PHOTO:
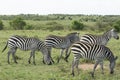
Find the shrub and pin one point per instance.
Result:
(18, 24)
(77, 25)
(55, 27)
(28, 27)
(1, 25)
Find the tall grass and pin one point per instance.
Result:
(40, 71)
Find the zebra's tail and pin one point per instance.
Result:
(5, 47)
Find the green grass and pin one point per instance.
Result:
(40, 71)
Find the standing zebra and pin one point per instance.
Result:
(101, 39)
(92, 52)
(61, 42)
(98, 39)
(25, 44)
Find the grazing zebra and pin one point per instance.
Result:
(101, 39)
(61, 42)
(25, 44)
(92, 52)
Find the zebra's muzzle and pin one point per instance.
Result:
(111, 72)
(50, 63)
(117, 38)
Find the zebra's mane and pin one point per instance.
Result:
(26, 37)
(109, 31)
(72, 33)
(54, 36)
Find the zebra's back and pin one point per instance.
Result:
(23, 43)
(90, 51)
(89, 38)
(56, 41)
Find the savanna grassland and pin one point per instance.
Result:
(57, 71)
(41, 26)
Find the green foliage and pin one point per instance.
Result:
(116, 25)
(77, 25)
(28, 27)
(18, 24)
(54, 26)
(1, 25)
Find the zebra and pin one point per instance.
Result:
(27, 43)
(61, 42)
(92, 52)
(99, 39)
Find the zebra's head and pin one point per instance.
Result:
(112, 65)
(73, 37)
(46, 56)
(114, 34)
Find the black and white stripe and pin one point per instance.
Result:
(61, 42)
(92, 52)
(25, 43)
(99, 39)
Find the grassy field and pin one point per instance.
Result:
(40, 71)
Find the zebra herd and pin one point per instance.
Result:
(87, 46)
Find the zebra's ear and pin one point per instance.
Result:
(116, 58)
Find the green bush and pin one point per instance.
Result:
(116, 25)
(28, 27)
(77, 25)
(1, 25)
(55, 27)
(18, 24)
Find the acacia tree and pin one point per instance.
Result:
(18, 24)
(1, 25)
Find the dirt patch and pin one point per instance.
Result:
(87, 66)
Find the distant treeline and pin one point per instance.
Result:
(80, 17)
(60, 22)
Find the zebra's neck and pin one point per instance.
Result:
(107, 36)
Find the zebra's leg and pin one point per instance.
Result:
(49, 51)
(67, 54)
(9, 52)
(60, 55)
(102, 69)
(75, 63)
(33, 52)
(43, 60)
(96, 63)
(13, 54)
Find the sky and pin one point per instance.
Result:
(44, 7)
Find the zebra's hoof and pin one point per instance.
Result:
(72, 74)
(29, 62)
(92, 74)
(66, 60)
(50, 63)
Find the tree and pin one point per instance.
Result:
(18, 24)
(77, 25)
(1, 25)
